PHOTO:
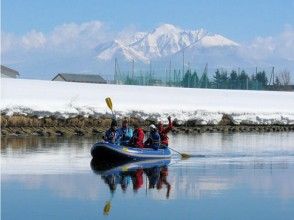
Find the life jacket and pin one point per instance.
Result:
(163, 132)
(111, 136)
(138, 138)
(153, 140)
(124, 135)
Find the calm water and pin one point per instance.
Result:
(232, 176)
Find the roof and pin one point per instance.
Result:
(7, 69)
(88, 78)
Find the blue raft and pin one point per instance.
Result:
(105, 150)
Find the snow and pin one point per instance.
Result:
(207, 105)
(217, 40)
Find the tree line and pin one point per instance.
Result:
(223, 79)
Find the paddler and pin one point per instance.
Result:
(153, 140)
(164, 131)
(111, 134)
(138, 136)
(125, 133)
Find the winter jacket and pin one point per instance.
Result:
(111, 136)
(153, 140)
(138, 138)
(164, 131)
(124, 135)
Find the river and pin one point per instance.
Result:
(229, 176)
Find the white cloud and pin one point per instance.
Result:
(69, 36)
(87, 34)
(8, 42)
(33, 40)
(280, 46)
(285, 43)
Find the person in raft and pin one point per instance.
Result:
(111, 134)
(153, 140)
(138, 137)
(164, 131)
(124, 133)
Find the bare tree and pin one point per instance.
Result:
(285, 77)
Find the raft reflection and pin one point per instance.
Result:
(132, 173)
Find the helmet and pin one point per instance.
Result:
(152, 127)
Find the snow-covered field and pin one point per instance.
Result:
(36, 97)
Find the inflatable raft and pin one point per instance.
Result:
(105, 150)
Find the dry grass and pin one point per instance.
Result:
(19, 121)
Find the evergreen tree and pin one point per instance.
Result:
(243, 80)
(204, 81)
(262, 79)
(186, 81)
(195, 80)
(224, 80)
(217, 79)
(233, 80)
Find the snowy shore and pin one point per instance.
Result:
(207, 106)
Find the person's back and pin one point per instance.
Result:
(153, 140)
(138, 137)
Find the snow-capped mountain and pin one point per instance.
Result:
(164, 41)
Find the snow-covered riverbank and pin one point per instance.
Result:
(36, 97)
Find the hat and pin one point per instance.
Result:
(113, 123)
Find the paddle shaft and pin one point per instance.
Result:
(183, 155)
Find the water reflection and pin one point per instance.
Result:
(132, 173)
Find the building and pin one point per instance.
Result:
(82, 78)
(8, 73)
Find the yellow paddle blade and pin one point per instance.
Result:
(109, 103)
(107, 208)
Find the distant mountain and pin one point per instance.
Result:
(169, 43)
(163, 42)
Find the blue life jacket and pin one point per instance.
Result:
(153, 140)
(124, 135)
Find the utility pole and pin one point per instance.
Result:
(169, 74)
(150, 74)
(189, 75)
(115, 71)
(133, 69)
(183, 62)
(273, 71)
(206, 74)
(166, 76)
